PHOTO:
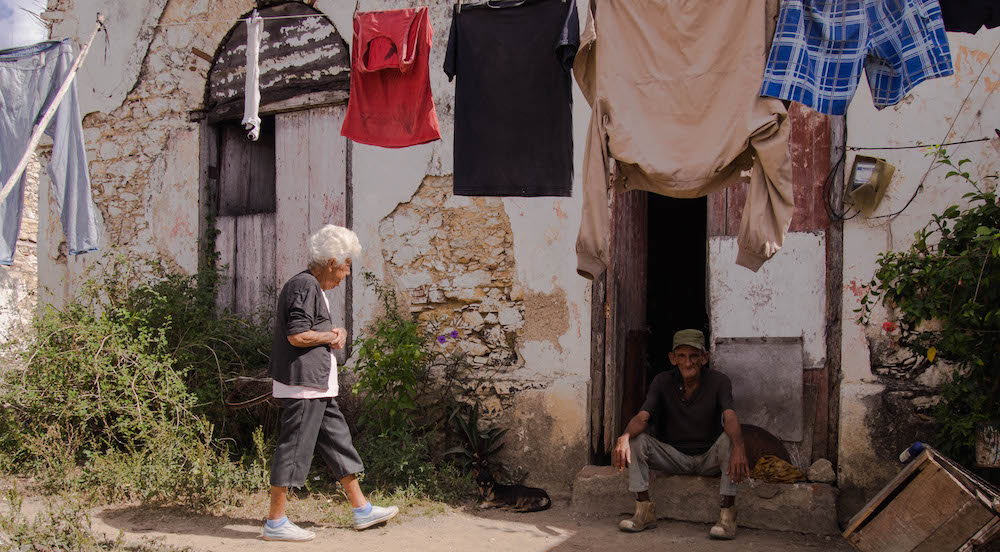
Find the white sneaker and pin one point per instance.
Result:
(377, 515)
(289, 532)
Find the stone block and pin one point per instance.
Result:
(511, 317)
(821, 472)
(473, 319)
(800, 507)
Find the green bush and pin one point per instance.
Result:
(946, 291)
(405, 407)
(121, 389)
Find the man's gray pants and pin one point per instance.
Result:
(648, 452)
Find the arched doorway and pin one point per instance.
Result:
(261, 199)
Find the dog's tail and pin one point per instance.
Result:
(542, 505)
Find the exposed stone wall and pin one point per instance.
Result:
(452, 259)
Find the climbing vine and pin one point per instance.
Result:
(944, 293)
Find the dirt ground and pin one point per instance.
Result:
(557, 529)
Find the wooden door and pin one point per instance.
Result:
(273, 194)
(246, 203)
(312, 167)
(625, 329)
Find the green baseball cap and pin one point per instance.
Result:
(694, 338)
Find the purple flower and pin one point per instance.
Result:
(441, 339)
(454, 334)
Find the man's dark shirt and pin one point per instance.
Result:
(300, 308)
(690, 426)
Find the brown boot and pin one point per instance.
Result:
(726, 528)
(644, 518)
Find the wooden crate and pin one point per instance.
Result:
(932, 505)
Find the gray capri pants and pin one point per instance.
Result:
(308, 424)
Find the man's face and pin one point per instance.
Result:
(688, 360)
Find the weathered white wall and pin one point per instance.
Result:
(785, 298)
(144, 165)
(869, 404)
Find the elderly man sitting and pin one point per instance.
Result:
(304, 371)
(697, 433)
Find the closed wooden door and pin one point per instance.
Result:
(273, 194)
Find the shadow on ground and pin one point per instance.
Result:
(557, 529)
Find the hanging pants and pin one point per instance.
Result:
(30, 76)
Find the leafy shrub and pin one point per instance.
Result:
(391, 365)
(121, 388)
(408, 391)
(946, 290)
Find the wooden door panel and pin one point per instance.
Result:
(626, 325)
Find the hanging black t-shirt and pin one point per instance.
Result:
(513, 98)
(968, 16)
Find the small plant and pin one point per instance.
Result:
(391, 365)
(479, 447)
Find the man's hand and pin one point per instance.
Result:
(621, 456)
(738, 468)
(339, 338)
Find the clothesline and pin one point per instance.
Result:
(243, 19)
(917, 146)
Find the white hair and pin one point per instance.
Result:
(333, 242)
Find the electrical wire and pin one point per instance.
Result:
(917, 146)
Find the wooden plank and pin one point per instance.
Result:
(292, 171)
(306, 101)
(809, 145)
(913, 515)
(834, 298)
(260, 190)
(961, 527)
(717, 213)
(328, 190)
(268, 278)
(919, 463)
(208, 189)
(225, 246)
(234, 170)
(328, 179)
(250, 248)
(597, 338)
(984, 535)
(612, 365)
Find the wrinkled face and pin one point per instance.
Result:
(688, 360)
(332, 273)
(340, 271)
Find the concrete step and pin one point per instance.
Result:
(801, 507)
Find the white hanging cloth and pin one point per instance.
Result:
(251, 95)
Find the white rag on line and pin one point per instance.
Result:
(251, 95)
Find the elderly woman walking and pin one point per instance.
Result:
(304, 371)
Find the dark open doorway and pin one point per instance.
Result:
(675, 286)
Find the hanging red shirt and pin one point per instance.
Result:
(391, 103)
